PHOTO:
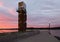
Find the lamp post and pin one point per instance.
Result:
(49, 28)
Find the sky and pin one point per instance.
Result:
(39, 13)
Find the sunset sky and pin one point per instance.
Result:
(39, 13)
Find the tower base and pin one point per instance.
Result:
(22, 28)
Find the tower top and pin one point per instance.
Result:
(21, 4)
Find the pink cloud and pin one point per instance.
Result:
(7, 22)
(12, 11)
(1, 4)
(8, 25)
(2, 16)
(6, 18)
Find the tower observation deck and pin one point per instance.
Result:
(22, 17)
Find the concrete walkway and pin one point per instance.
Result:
(34, 36)
(12, 37)
(42, 37)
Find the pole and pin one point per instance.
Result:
(49, 28)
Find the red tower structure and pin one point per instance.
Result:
(22, 17)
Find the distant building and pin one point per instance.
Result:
(22, 17)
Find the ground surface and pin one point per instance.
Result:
(34, 36)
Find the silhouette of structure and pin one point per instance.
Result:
(49, 28)
(22, 17)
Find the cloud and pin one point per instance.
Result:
(13, 11)
(38, 11)
(1, 4)
(8, 25)
(8, 11)
(5, 18)
(8, 17)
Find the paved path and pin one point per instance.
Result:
(11, 37)
(36, 36)
(42, 37)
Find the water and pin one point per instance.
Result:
(7, 31)
(53, 32)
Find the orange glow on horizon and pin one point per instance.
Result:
(5, 25)
(7, 22)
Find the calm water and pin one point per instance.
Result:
(5, 31)
(53, 32)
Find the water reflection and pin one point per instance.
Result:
(7, 31)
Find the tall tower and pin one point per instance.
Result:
(22, 17)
